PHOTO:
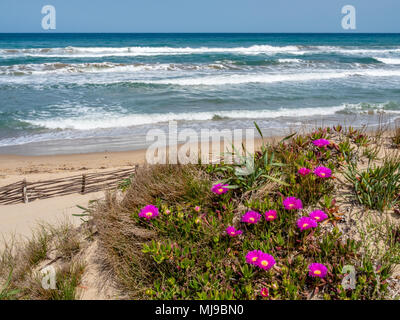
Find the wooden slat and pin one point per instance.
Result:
(92, 182)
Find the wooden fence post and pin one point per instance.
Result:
(24, 192)
(83, 183)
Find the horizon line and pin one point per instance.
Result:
(107, 32)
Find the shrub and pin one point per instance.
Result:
(377, 187)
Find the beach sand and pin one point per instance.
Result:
(20, 219)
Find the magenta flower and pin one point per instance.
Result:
(318, 215)
(321, 143)
(251, 217)
(149, 212)
(304, 171)
(317, 270)
(270, 215)
(197, 208)
(253, 256)
(219, 188)
(305, 223)
(231, 231)
(264, 292)
(323, 172)
(292, 203)
(265, 261)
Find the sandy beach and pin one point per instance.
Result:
(19, 219)
(38, 167)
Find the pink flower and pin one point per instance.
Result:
(323, 172)
(231, 231)
(265, 261)
(318, 215)
(149, 212)
(253, 256)
(264, 292)
(251, 217)
(317, 270)
(305, 223)
(270, 215)
(304, 171)
(321, 143)
(219, 188)
(197, 208)
(292, 203)
(258, 258)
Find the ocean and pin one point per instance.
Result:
(75, 93)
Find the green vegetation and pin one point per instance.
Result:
(377, 187)
(186, 253)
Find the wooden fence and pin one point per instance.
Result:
(25, 191)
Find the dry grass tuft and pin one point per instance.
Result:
(121, 244)
(169, 183)
(68, 277)
(21, 263)
(121, 239)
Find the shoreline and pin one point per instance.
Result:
(14, 168)
(134, 138)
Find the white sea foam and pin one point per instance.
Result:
(198, 79)
(143, 51)
(99, 120)
(289, 60)
(105, 67)
(83, 52)
(354, 50)
(388, 60)
(272, 78)
(86, 120)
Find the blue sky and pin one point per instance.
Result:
(199, 15)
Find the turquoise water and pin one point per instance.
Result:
(62, 93)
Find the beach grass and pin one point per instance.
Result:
(377, 187)
(21, 264)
